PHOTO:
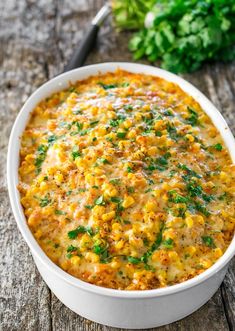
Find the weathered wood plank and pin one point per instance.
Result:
(223, 91)
(228, 295)
(24, 298)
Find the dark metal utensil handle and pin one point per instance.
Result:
(80, 55)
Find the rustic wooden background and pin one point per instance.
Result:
(36, 40)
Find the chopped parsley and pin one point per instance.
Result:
(88, 206)
(128, 107)
(116, 199)
(51, 139)
(79, 127)
(60, 212)
(160, 163)
(107, 86)
(208, 241)
(201, 208)
(218, 147)
(45, 201)
(75, 153)
(129, 169)
(80, 229)
(130, 189)
(71, 248)
(158, 133)
(172, 132)
(121, 135)
(93, 123)
(133, 260)
(104, 161)
(190, 173)
(115, 181)
(41, 155)
(193, 118)
(102, 251)
(154, 246)
(168, 243)
(177, 198)
(100, 201)
(115, 122)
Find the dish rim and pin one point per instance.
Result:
(59, 83)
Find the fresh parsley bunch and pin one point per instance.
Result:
(130, 14)
(184, 34)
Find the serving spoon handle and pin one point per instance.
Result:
(88, 42)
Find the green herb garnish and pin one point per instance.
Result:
(93, 123)
(208, 241)
(80, 229)
(75, 153)
(45, 201)
(177, 198)
(121, 135)
(130, 189)
(51, 139)
(193, 118)
(104, 161)
(133, 260)
(107, 86)
(102, 251)
(181, 34)
(168, 243)
(115, 181)
(71, 248)
(41, 155)
(116, 199)
(100, 201)
(60, 212)
(218, 147)
(172, 132)
(88, 206)
(129, 169)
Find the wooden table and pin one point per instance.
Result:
(37, 37)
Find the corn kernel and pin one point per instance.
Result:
(189, 222)
(151, 206)
(65, 265)
(115, 264)
(173, 256)
(152, 151)
(92, 257)
(98, 211)
(75, 260)
(205, 263)
(43, 186)
(218, 252)
(189, 137)
(191, 250)
(108, 216)
(38, 234)
(127, 123)
(200, 219)
(116, 226)
(128, 201)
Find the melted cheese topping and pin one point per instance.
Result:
(126, 183)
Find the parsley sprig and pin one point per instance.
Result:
(183, 34)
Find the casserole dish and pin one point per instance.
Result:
(126, 309)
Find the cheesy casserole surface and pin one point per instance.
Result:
(126, 183)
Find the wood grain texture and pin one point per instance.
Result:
(37, 38)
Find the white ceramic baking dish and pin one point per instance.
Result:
(125, 309)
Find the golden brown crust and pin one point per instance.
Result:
(126, 183)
